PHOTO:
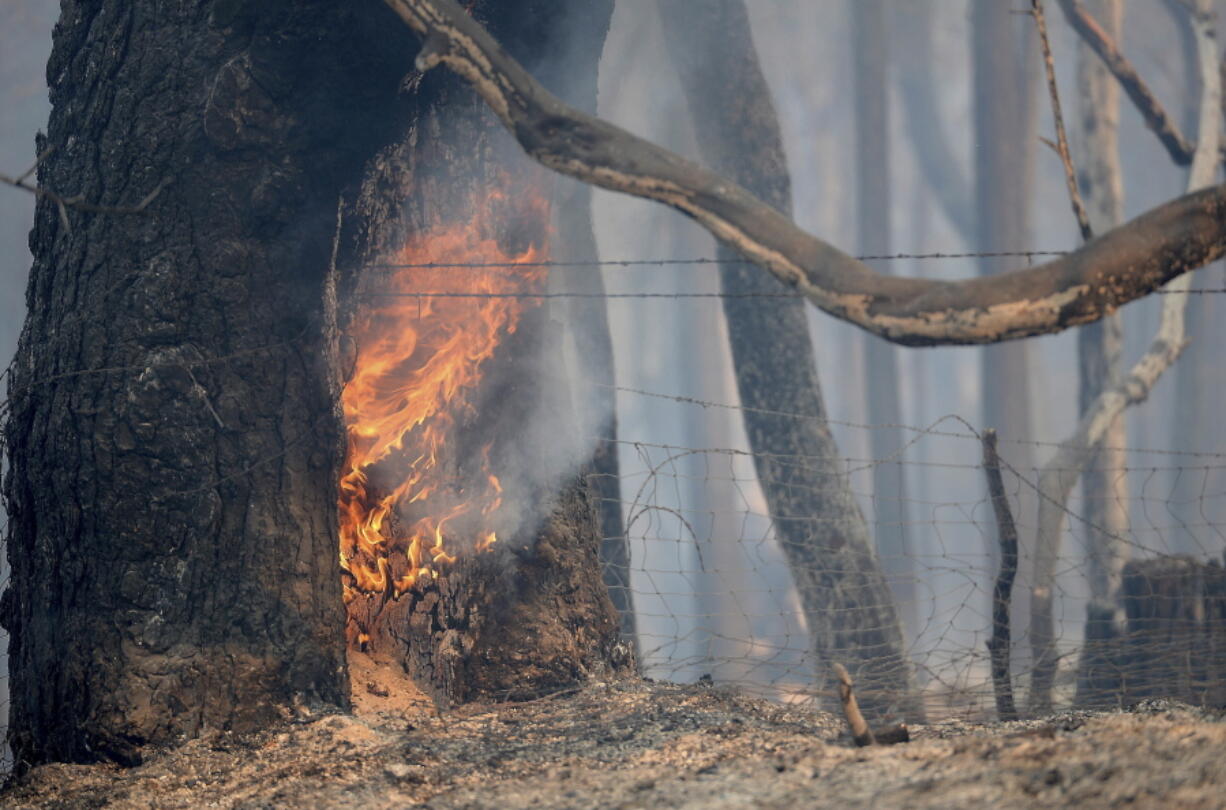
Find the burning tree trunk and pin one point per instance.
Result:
(469, 545)
(173, 438)
(847, 604)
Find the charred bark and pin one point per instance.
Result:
(1062, 471)
(816, 519)
(173, 439)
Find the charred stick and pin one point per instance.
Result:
(1156, 117)
(1002, 593)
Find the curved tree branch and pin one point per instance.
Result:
(1081, 287)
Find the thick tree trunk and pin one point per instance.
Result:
(817, 521)
(531, 614)
(1105, 481)
(175, 436)
(174, 441)
(872, 103)
(1004, 159)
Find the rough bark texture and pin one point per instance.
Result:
(532, 615)
(872, 105)
(816, 519)
(1105, 481)
(1127, 263)
(1004, 165)
(174, 441)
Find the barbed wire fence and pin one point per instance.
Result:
(714, 597)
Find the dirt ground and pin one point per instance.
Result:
(635, 744)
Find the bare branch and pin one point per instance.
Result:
(1118, 267)
(76, 202)
(1155, 115)
(1061, 473)
(1002, 592)
(1070, 176)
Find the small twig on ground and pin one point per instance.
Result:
(1070, 175)
(1002, 593)
(860, 732)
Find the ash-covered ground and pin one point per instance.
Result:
(634, 744)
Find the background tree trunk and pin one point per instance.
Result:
(872, 103)
(1200, 376)
(850, 613)
(1004, 166)
(1105, 482)
(174, 439)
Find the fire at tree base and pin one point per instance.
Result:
(469, 528)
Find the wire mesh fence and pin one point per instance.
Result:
(715, 595)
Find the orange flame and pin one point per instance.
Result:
(419, 361)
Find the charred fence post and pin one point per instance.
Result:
(1002, 592)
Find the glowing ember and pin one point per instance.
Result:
(419, 361)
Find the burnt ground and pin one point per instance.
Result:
(634, 744)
